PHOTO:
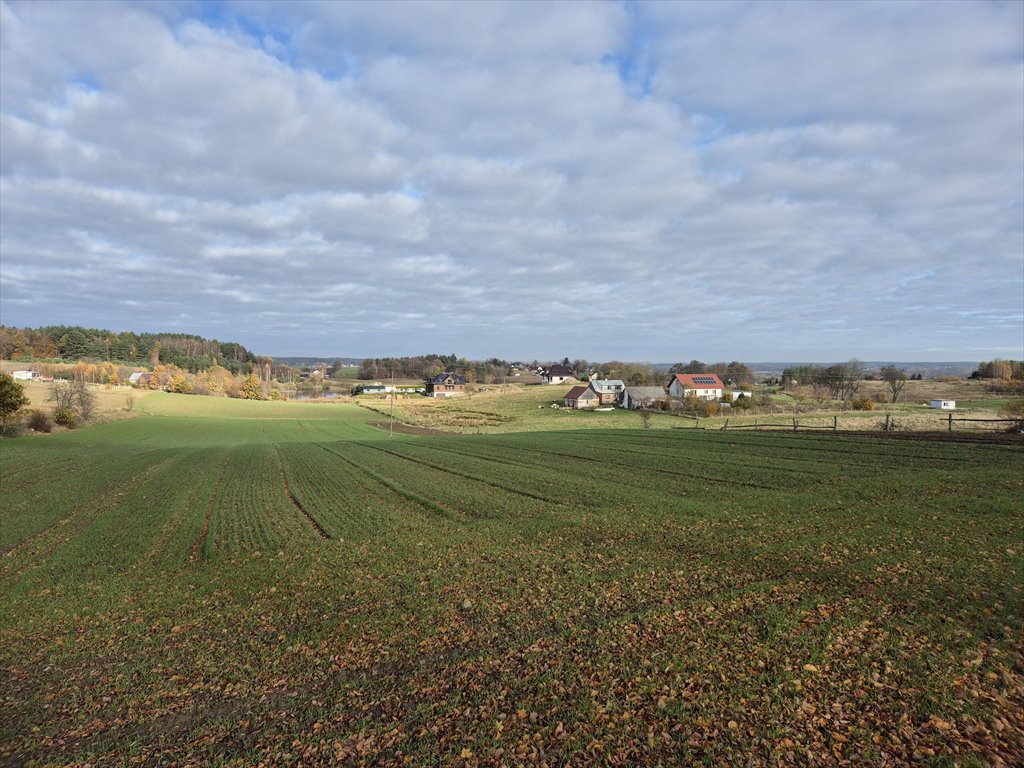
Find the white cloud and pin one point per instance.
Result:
(316, 167)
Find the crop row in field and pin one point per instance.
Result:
(237, 589)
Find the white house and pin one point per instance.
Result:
(706, 386)
(557, 374)
(24, 375)
(943, 405)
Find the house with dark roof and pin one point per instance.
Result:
(581, 398)
(557, 374)
(642, 397)
(706, 386)
(446, 385)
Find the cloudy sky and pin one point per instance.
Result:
(664, 181)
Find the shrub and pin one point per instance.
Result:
(1014, 409)
(709, 408)
(66, 417)
(180, 384)
(691, 404)
(863, 404)
(39, 421)
(251, 389)
(743, 402)
(12, 397)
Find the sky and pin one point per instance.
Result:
(606, 180)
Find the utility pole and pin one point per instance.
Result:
(392, 433)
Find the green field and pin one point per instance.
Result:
(226, 582)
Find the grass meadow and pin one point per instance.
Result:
(220, 582)
(515, 408)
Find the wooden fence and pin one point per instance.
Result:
(1019, 422)
(795, 425)
(888, 426)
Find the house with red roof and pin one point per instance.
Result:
(706, 386)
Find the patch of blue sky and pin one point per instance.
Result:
(708, 129)
(634, 64)
(275, 39)
(412, 190)
(85, 81)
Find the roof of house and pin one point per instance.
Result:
(607, 385)
(577, 393)
(442, 377)
(558, 370)
(699, 380)
(646, 393)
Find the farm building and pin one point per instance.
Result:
(446, 385)
(557, 374)
(706, 386)
(581, 398)
(609, 390)
(24, 375)
(642, 397)
(943, 405)
(140, 379)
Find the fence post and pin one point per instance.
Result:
(951, 422)
(795, 422)
(887, 422)
(835, 423)
(755, 423)
(726, 425)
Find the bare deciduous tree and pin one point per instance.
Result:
(895, 377)
(645, 417)
(85, 399)
(73, 397)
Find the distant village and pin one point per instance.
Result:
(585, 392)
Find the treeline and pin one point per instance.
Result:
(1004, 370)
(642, 374)
(489, 371)
(732, 374)
(71, 343)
